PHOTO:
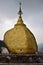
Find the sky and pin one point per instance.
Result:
(32, 16)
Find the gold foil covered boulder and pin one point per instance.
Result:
(20, 38)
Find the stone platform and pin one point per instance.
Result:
(21, 59)
(21, 63)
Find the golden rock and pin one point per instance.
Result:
(20, 38)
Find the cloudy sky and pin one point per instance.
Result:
(32, 16)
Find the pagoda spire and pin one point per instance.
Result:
(20, 11)
(20, 21)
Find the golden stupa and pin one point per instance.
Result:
(20, 38)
